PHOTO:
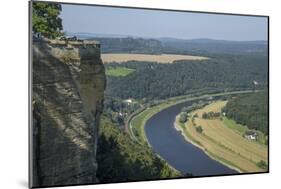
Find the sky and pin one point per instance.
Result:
(156, 24)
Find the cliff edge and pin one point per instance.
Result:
(68, 83)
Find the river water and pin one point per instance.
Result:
(171, 145)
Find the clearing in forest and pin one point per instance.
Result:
(118, 71)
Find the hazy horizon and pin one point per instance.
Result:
(112, 35)
(162, 24)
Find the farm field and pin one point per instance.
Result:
(161, 58)
(118, 71)
(240, 129)
(222, 141)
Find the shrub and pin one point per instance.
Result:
(183, 117)
(262, 164)
(199, 129)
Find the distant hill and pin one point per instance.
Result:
(130, 45)
(85, 35)
(111, 43)
(214, 46)
(208, 40)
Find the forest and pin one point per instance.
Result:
(231, 66)
(121, 159)
(250, 110)
(159, 81)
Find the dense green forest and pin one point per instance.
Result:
(121, 159)
(250, 110)
(159, 81)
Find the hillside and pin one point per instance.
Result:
(250, 110)
(204, 47)
(151, 80)
(121, 159)
(130, 45)
(210, 46)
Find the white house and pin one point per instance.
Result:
(255, 82)
(128, 101)
(251, 135)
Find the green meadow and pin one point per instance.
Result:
(118, 71)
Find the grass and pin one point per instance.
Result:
(241, 129)
(234, 126)
(119, 71)
(137, 129)
(160, 58)
(224, 142)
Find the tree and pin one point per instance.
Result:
(250, 110)
(205, 115)
(46, 20)
(121, 159)
(183, 117)
(262, 164)
(199, 129)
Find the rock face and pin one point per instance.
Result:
(67, 100)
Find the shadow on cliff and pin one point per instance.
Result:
(63, 147)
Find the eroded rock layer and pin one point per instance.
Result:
(67, 100)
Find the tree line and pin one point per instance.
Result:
(250, 110)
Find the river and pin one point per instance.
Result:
(166, 141)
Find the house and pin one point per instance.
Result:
(251, 135)
(210, 98)
(255, 82)
(128, 101)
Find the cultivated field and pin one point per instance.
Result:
(161, 58)
(224, 143)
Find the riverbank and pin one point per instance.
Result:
(137, 122)
(192, 141)
(220, 142)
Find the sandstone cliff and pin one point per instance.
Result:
(68, 82)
